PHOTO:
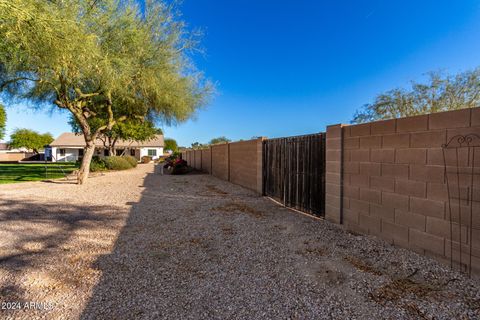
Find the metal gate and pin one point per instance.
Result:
(294, 172)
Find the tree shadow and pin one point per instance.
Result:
(137, 279)
(36, 246)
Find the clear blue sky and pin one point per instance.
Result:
(293, 67)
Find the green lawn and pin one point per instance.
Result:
(12, 173)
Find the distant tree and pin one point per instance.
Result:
(439, 93)
(198, 145)
(32, 140)
(3, 121)
(219, 140)
(171, 144)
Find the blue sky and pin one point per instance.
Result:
(292, 67)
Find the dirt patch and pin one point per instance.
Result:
(228, 230)
(234, 206)
(312, 250)
(415, 311)
(399, 288)
(362, 266)
(215, 189)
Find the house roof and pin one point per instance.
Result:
(4, 146)
(70, 139)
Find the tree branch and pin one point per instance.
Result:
(7, 82)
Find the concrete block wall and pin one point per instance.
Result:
(14, 156)
(333, 174)
(245, 163)
(207, 160)
(238, 162)
(394, 184)
(220, 163)
(197, 159)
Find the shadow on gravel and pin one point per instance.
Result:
(136, 275)
(32, 234)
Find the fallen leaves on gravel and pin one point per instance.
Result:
(239, 207)
(215, 189)
(362, 266)
(399, 288)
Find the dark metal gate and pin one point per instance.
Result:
(294, 172)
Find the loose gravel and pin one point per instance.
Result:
(140, 245)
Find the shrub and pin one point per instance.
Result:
(117, 163)
(132, 160)
(146, 159)
(180, 167)
(97, 164)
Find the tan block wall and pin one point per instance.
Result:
(207, 160)
(394, 184)
(14, 156)
(220, 161)
(239, 162)
(197, 162)
(333, 176)
(244, 157)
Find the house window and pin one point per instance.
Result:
(152, 152)
(62, 152)
(132, 152)
(80, 152)
(105, 152)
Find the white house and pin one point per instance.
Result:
(70, 146)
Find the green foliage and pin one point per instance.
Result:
(198, 145)
(3, 121)
(219, 140)
(113, 163)
(97, 164)
(129, 130)
(32, 140)
(117, 163)
(105, 61)
(171, 144)
(132, 160)
(14, 173)
(439, 93)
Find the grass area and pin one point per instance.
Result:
(13, 173)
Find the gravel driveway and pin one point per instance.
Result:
(140, 245)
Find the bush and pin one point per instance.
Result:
(97, 164)
(132, 160)
(180, 167)
(146, 159)
(117, 163)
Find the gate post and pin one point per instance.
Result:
(334, 174)
(259, 165)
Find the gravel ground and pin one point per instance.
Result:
(137, 244)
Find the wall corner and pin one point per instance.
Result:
(334, 173)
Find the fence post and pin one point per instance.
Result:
(260, 165)
(228, 161)
(334, 174)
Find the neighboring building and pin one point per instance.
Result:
(5, 148)
(70, 146)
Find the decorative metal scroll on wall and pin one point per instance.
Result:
(462, 175)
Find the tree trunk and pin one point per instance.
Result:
(85, 166)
